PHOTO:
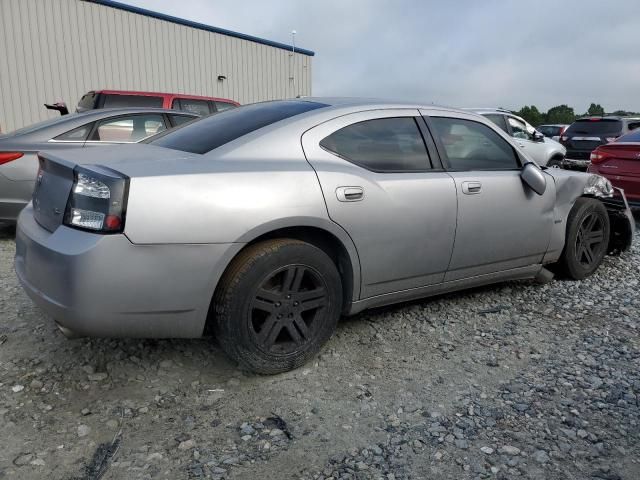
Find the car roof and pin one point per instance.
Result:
(373, 103)
(606, 117)
(490, 110)
(74, 120)
(161, 94)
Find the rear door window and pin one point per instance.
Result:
(470, 145)
(199, 107)
(594, 127)
(76, 135)
(631, 137)
(128, 129)
(381, 145)
(122, 101)
(211, 132)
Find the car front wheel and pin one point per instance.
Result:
(587, 238)
(277, 304)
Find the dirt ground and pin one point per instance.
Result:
(517, 380)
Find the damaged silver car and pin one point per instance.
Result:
(266, 223)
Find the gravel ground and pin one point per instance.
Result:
(512, 381)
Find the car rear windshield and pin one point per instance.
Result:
(595, 126)
(631, 137)
(88, 101)
(212, 132)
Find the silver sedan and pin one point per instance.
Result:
(264, 224)
(19, 149)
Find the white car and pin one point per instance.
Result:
(543, 150)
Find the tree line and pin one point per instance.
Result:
(563, 114)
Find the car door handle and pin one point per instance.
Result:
(521, 145)
(350, 194)
(471, 188)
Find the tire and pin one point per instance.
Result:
(587, 238)
(276, 305)
(555, 163)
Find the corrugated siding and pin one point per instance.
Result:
(54, 50)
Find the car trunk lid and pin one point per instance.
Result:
(56, 172)
(621, 158)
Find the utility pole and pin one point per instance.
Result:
(293, 61)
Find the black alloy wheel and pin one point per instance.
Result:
(590, 239)
(277, 304)
(286, 309)
(587, 238)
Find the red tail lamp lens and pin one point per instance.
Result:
(6, 157)
(112, 222)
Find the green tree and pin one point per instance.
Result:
(595, 109)
(560, 114)
(532, 115)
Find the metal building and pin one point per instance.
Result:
(52, 50)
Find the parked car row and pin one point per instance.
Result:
(263, 224)
(586, 134)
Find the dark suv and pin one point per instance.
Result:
(587, 134)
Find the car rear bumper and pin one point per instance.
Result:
(106, 286)
(622, 223)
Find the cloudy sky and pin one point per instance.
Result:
(461, 53)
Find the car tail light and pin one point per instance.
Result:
(6, 157)
(563, 138)
(599, 156)
(97, 201)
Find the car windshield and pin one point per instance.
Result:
(212, 132)
(631, 137)
(595, 126)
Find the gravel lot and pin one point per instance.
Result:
(513, 381)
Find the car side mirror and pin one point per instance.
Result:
(534, 178)
(538, 137)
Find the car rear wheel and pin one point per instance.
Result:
(277, 304)
(587, 238)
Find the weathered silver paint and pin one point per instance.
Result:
(410, 236)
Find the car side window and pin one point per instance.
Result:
(128, 129)
(633, 125)
(472, 145)
(199, 107)
(381, 145)
(519, 129)
(78, 134)
(498, 119)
